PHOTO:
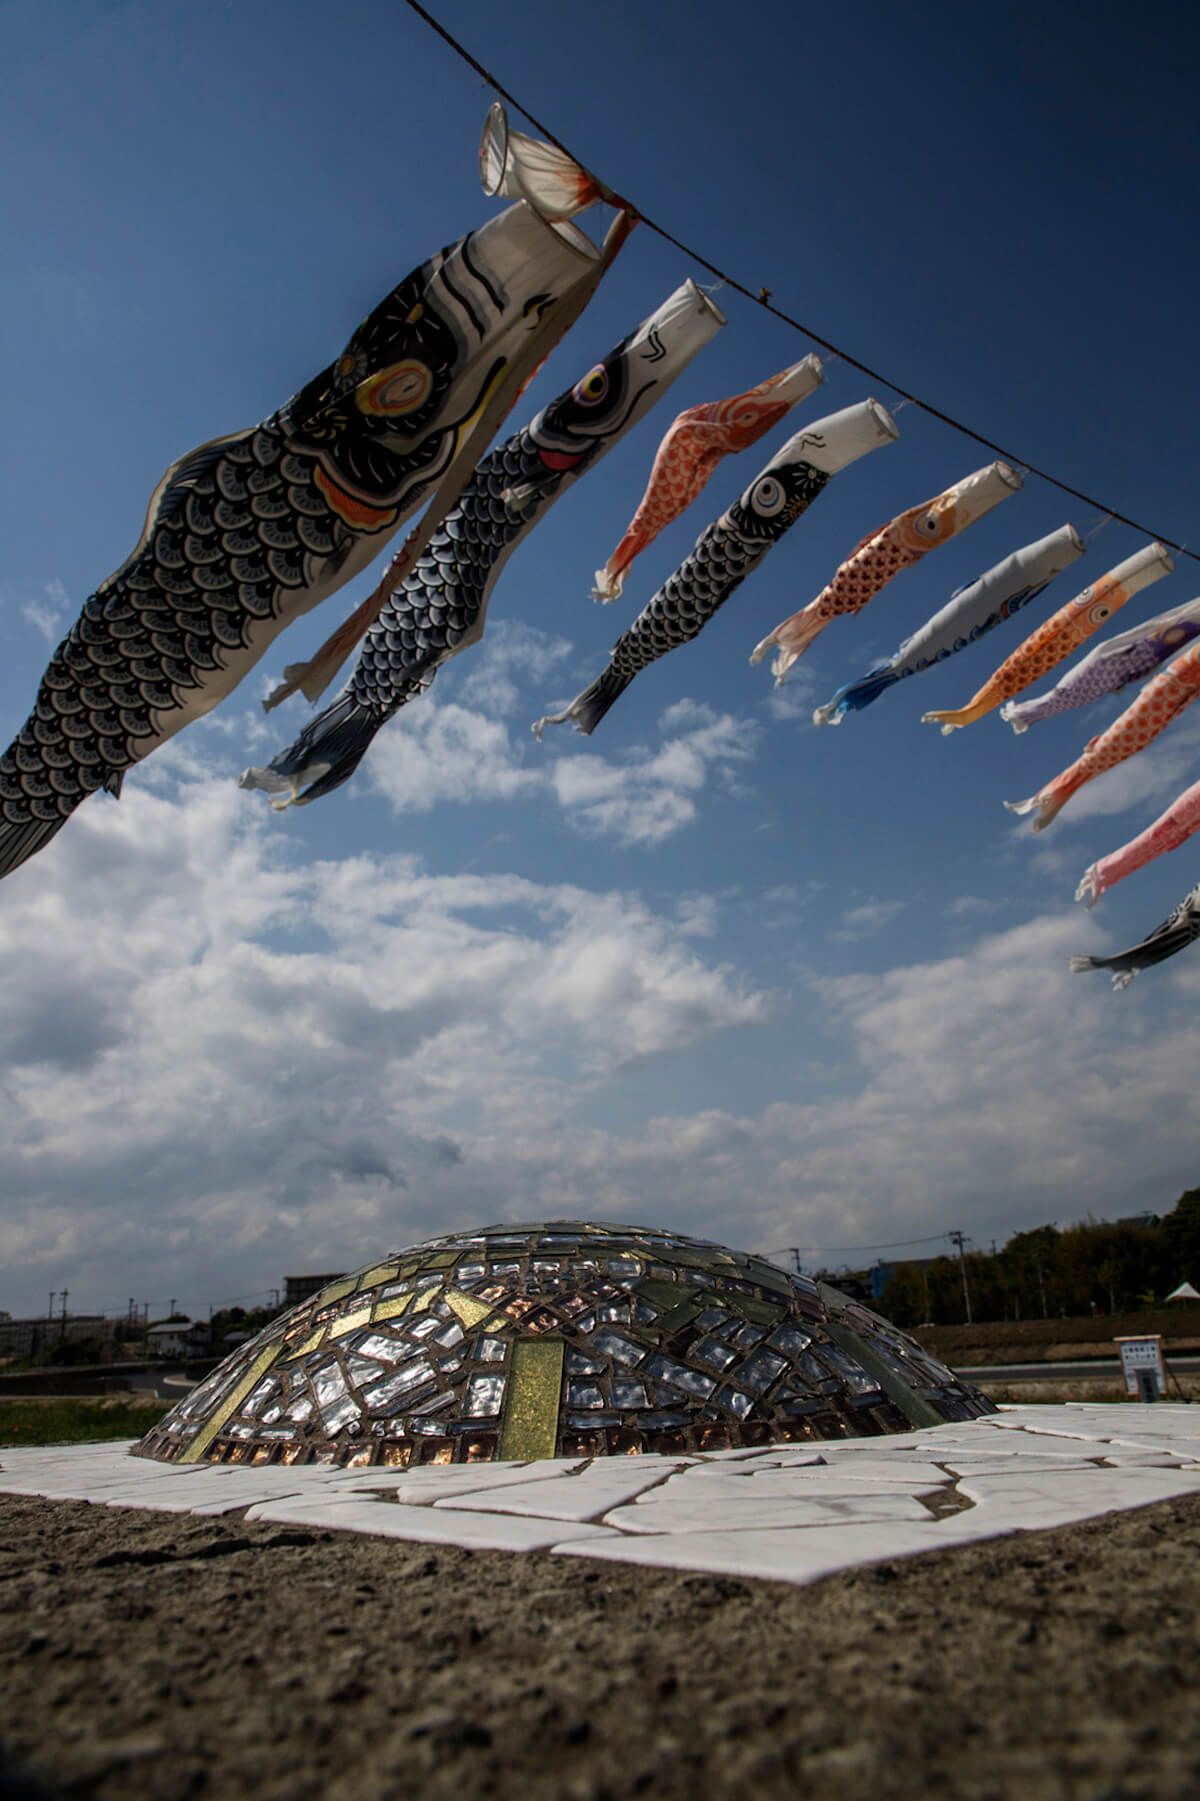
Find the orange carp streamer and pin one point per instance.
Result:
(883, 553)
(690, 451)
(1062, 633)
(1160, 701)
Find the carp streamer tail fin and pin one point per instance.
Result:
(19, 842)
(1089, 888)
(326, 754)
(1046, 804)
(951, 721)
(1121, 977)
(588, 709)
(855, 696)
(1010, 712)
(793, 638)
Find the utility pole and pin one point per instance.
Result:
(794, 1253)
(63, 1329)
(956, 1238)
(171, 1314)
(275, 1296)
(50, 1306)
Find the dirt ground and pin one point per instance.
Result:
(149, 1657)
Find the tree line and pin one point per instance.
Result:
(1096, 1266)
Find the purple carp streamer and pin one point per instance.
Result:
(729, 549)
(441, 606)
(882, 554)
(1111, 666)
(689, 453)
(970, 613)
(1177, 931)
(1070, 627)
(250, 531)
(1180, 822)
(1160, 701)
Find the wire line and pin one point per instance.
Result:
(762, 297)
(893, 1244)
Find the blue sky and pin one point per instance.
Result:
(711, 967)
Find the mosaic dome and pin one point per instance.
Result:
(565, 1339)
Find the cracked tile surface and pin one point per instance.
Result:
(788, 1512)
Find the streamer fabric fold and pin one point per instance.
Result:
(1162, 699)
(1070, 627)
(441, 606)
(971, 612)
(729, 549)
(690, 451)
(883, 553)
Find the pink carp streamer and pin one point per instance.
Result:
(1160, 701)
(690, 451)
(883, 553)
(1180, 822)
(1062, 633)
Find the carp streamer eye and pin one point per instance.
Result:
(1099, 611)
(927, 525)
(593, 388)
(768, 497)
(398, 390)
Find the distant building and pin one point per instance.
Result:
(178, 1338)
(298, 1288)
(1141, 1222)
(26, 1337)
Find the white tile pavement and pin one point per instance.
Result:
(789, 1512)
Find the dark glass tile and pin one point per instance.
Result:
(621, 1350)
(678, 1375)
(791, 1340)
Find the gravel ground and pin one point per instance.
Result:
(152, 1657)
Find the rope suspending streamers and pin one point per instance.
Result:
(762, 297)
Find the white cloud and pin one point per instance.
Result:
(187, 1090)
(649, 794)
(515, 654)
(861, 922)
(47, 612)
(437, 751)
(433, 753)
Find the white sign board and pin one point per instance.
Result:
(1141, 1354)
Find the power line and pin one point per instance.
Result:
(762, 297)
(893, 1244)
